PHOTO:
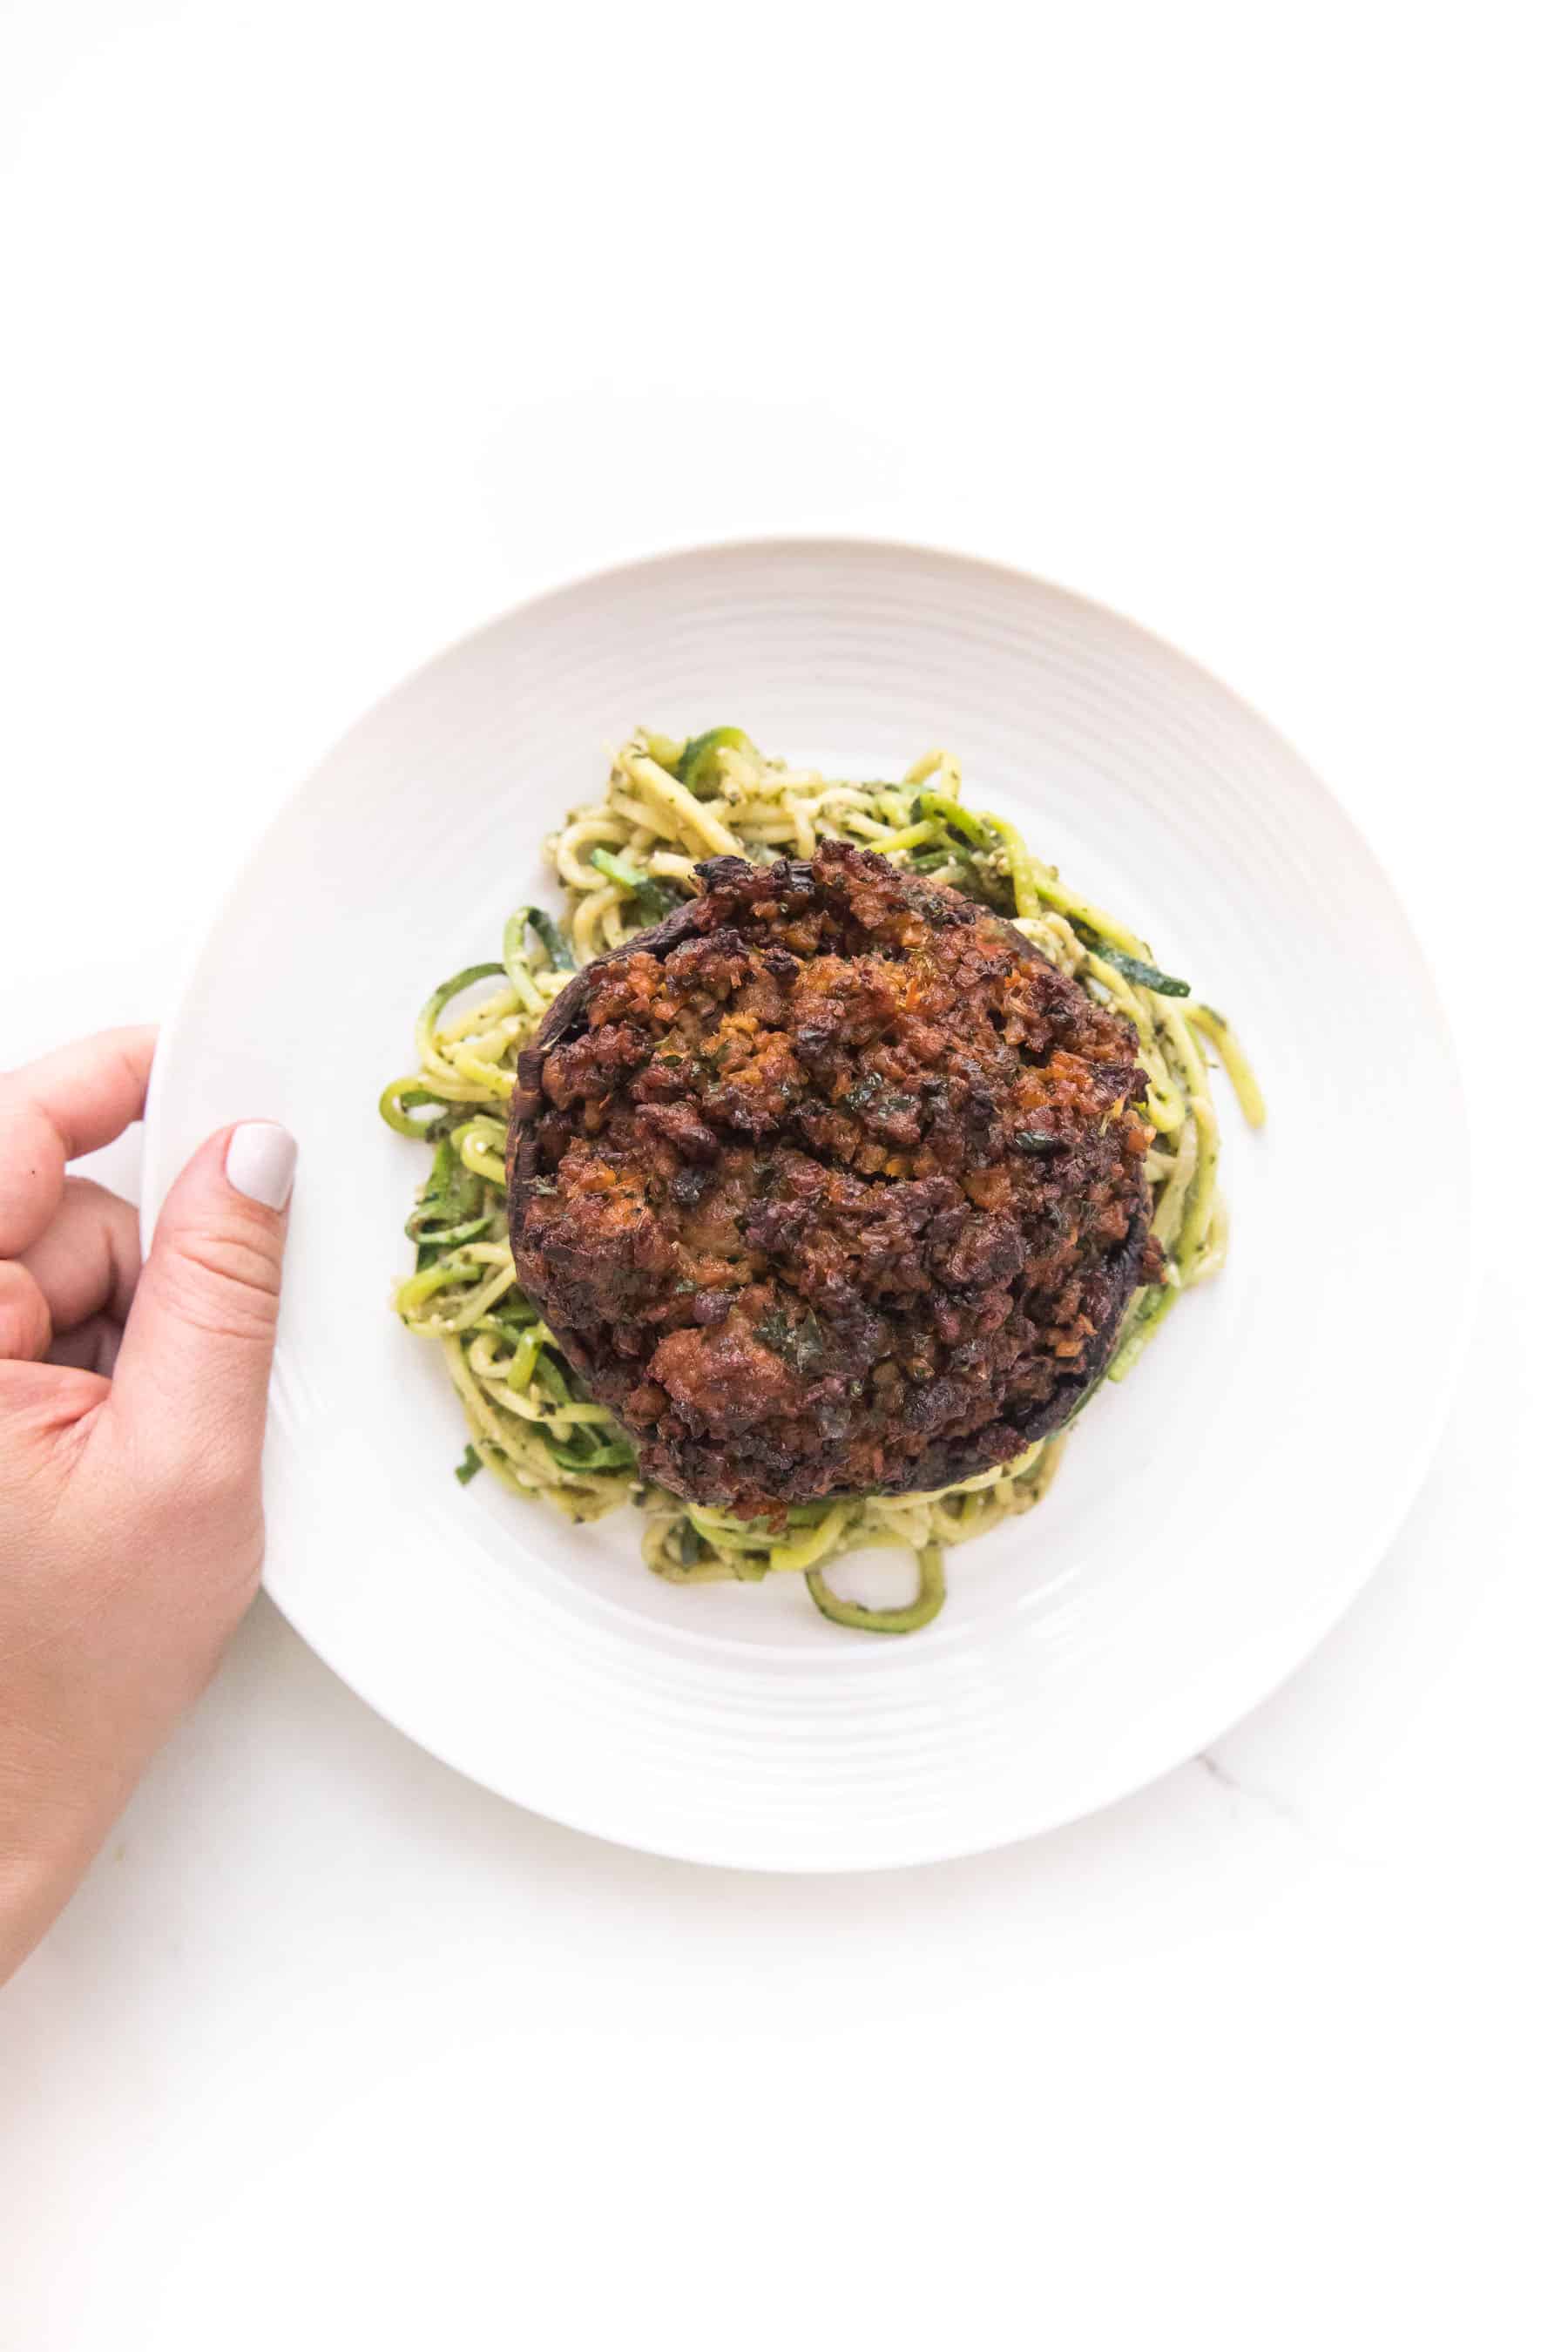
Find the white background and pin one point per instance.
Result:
(330, 330)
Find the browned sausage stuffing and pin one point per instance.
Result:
(830, 1184)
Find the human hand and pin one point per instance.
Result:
(133, 1402)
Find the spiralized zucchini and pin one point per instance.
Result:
(624, 862)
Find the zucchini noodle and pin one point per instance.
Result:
(623, 863)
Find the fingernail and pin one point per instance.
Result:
(260, 1163)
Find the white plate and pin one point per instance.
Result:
(1213, 1516)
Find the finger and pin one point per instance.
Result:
(92, 1347)
(25, 1327)
(87, 1261)
(194, 1364)
(54, 1110)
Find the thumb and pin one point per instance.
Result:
(193, 1369)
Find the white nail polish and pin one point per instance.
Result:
(260, 1163)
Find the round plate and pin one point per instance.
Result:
(1212, 1517)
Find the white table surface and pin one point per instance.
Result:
(333, 330)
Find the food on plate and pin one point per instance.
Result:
(807, 1213)
(830, 1184)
